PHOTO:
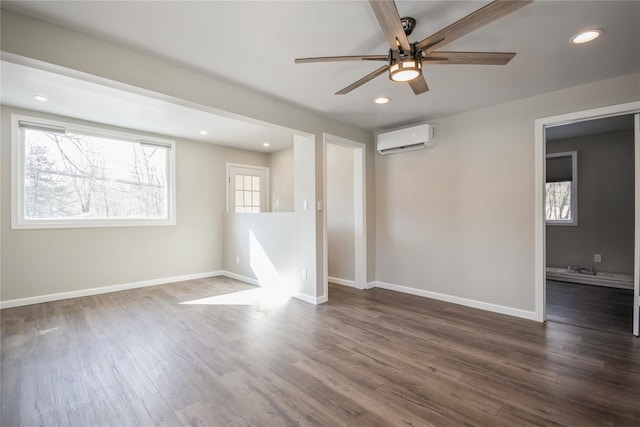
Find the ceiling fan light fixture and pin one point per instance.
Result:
(406, 70)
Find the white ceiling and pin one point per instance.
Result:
(72, 97)
(214, 37)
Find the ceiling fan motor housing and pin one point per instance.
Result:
(405, 65)
(408, 24)
(396, 55)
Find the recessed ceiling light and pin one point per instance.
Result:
(266, 144)
(203, 132)
(586, 36)
(382, 100)
(40, 98)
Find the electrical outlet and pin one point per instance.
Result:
(597, 258)
(304, 274)
(237, 260)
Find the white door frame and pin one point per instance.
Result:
(360, 203)
(636, 269)
(540, 228)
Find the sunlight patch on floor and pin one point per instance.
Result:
(256, 297)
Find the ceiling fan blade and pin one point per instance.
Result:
(481, 17)
(419, 85)
(342, 58)
(363, 80)
(472, 58)
(389, 20)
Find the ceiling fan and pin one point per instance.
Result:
(405, 60)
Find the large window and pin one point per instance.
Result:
(561, 206)
(65, 175)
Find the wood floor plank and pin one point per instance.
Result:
(153, 411)
(159, 356)
(596, 307)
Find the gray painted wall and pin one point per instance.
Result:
(605, 204)
(340, 212)
(458, 219)
(281, 180)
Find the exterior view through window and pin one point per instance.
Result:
(560, 192)
(73, 176)
(247, 193)
(558, 201)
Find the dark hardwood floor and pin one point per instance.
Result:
(366, 358)
(596, 307)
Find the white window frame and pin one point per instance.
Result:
(264, 196)
(18, 220)
(574, 189)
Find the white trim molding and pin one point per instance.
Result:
(501, 309)
(309, 299)
(105, 289)
(342, 282)
(240, 277)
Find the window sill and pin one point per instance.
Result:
(49, 225)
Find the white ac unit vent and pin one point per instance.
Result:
(406, 139)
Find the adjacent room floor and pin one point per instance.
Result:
(589, 306)
(214, 352)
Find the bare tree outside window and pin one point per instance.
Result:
(561, 188)
(558, 201)
(70, 176)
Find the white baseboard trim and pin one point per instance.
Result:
(524, 314)
(322, 299)
(342, 282)
(105, 289)
(240, 277)
(350, 283)
(309, 299)
(163, 281)
(610, 280)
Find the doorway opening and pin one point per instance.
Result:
(344, 218)
(587, 252)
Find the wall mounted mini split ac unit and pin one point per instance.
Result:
(406, 139)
